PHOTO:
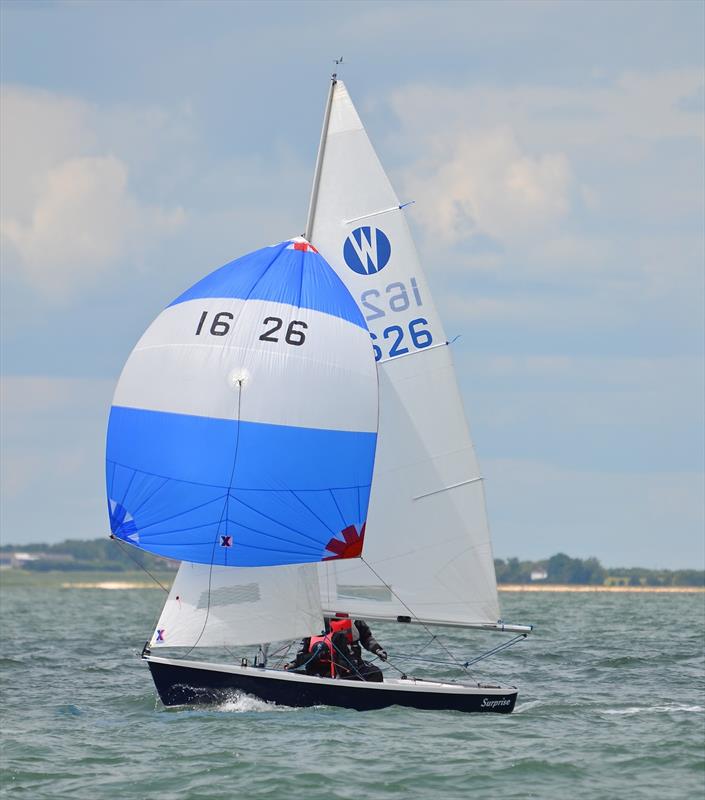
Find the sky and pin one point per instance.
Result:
(554, 151)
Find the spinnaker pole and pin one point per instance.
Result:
(319, 160)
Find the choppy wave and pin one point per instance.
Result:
(605, 709)
(240, 703)
(522, 708)
(668, 708)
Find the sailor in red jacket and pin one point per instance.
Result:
(337, 653)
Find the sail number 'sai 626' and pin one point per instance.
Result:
(396, 340)
(396, 298)
(220, 326)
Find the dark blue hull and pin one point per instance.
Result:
(181, 684)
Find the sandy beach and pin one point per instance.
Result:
(111, 585)
(562, 587)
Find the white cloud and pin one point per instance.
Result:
(484, 183)
(610, 117)
(68, 211)
(575, 176)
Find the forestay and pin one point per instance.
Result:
(222, 607)
(428, 537)
(243, 427)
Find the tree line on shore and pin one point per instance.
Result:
(563, 569)
(94, 555)
(105, 555)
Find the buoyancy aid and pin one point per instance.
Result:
(327, 659)
(345, 625)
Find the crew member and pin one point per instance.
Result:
(337, 653)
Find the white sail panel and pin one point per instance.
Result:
(225, 606)
(188, 383)
(427, 531)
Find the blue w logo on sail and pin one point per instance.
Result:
(367, 250)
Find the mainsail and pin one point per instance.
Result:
(428, 554)
(242, 434)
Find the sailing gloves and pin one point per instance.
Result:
(382, 654)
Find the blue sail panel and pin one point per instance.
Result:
(282, 274)
(234, 493)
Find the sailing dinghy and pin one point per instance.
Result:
(291, 430)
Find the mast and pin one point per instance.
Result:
(319, 160)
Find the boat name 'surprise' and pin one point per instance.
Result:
(501, 701)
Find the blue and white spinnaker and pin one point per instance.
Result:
(244, 425)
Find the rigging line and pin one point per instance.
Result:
(423, 624)
(430, 641)
(424, 659)
(394, 666)
(283, 654)
(497, 649)
(141, 566)
(230, 652)
(340, 652)
(223, 514)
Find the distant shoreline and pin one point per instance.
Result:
(132, 579)
(575, 587)
(506, 587)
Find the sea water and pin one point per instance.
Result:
(611, 704)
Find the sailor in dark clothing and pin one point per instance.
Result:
(337, 653)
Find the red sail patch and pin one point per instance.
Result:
(350, 546)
